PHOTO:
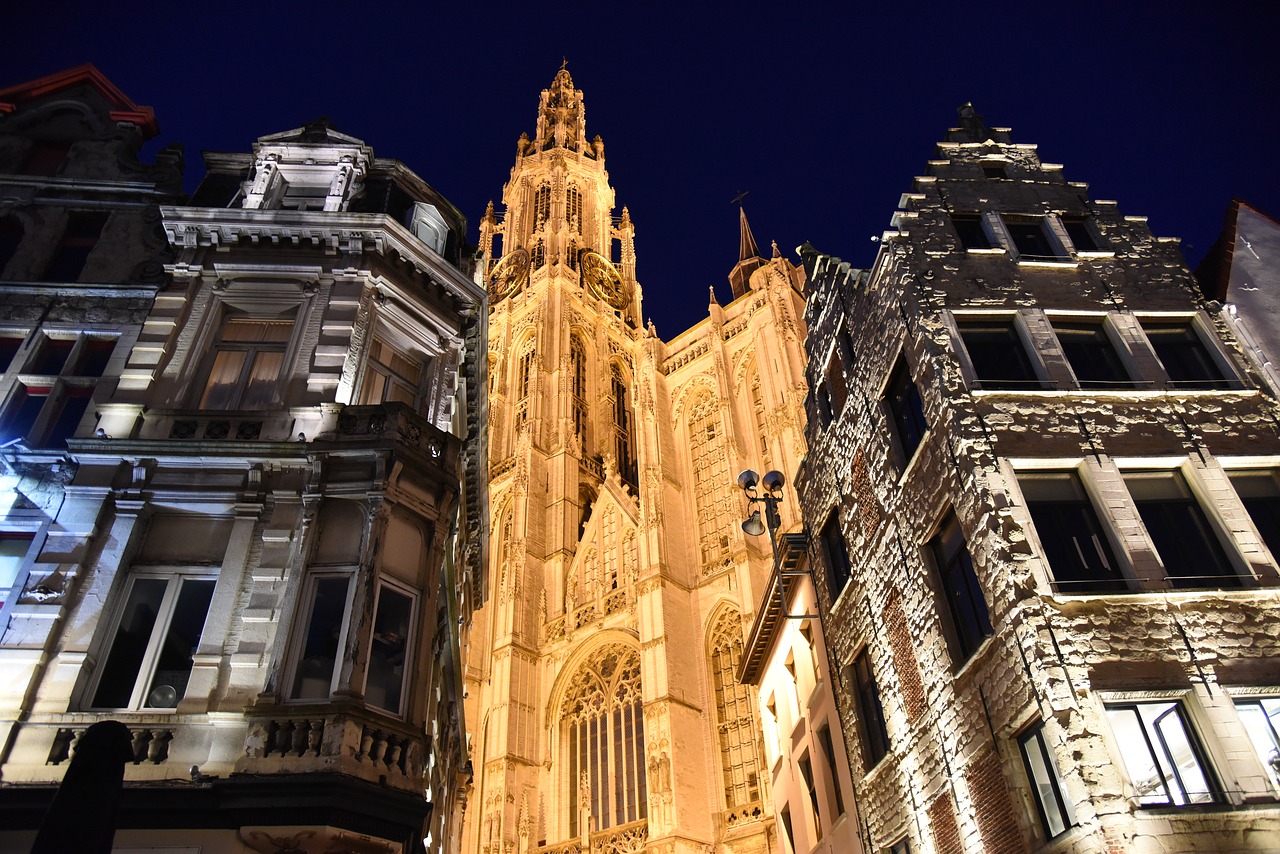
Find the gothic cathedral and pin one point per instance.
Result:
(604, 709)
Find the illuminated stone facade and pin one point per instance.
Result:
(245, 548)
(604, 711)
(1043, 482)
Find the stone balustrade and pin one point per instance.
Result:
(630, 838)
(150, 744)
(353, 742)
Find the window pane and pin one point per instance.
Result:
(95, 353)
(224, 380)
(969, 616)
(1078, 231)
(10, 344)
(1261, 719)
(53, 356)
(1055, 811)
(1260, 494)
(387, 650)
(262, 380)
(1074, 542)
(13, 551)
(1184, 356)
(906, 409)
(1031, 239)
(129, 647)
(875, 736)
(969, 229)
(1191, 552)
(837, 556)
(829, 751)
(1179, 752)
(1093, 359)
(75, 400)
(173, 666)
(1160, 754)
(23, 412)
(997, 354)
(319, 655)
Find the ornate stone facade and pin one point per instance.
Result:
(615, 525)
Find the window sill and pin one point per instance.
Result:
(1047, 262)
(991, 251)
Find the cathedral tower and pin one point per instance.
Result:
(605, 713)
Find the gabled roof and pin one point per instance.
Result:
(122, 108)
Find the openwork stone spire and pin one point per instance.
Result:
(561, 117)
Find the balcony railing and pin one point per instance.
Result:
(630, 838)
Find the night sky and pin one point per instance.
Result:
(821, 113)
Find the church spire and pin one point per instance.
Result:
(749, 259)
(561, 118)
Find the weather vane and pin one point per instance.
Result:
(737, 200)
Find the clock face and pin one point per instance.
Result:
(509, 275)
(602, 279)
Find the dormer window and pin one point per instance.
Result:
(429, 226)
(304, 197)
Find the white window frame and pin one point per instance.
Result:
(174, 576)
(410, 647)
(302, 625)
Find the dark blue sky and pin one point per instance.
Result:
(822, 112)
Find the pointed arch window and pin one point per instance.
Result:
(571, 255)
(741, 750)
(711, 480)
(603, 722)
(622, 445)
(541, 207)
(573, 209)
(578, 388)
(524, 383)
(757, 408)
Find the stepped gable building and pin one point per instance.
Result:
(605, 713)
(1042, 480)
(254, 562)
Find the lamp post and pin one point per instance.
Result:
(768, 491)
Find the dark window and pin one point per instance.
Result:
(1074, 542)
(1046, 786)
(24, 409)
(45, 157)
(836, 383)
(906, 409)
(52, 357)
(806, 771)
(995, 170)
(1186, 543)
(788, 835)
(392, 628)
(824, 406)
(1165, 762)
(829, 752)
(999, 359)
(969, 617)
(81, 235)
(837, 556)
(1032, 239)
(1259, 491)
(10, 238)
(323, 631)
(970, 231)
(46, 409)
(95, 353)
(902, 846)
(10, 344)
(847, 353)
(1078, 230)
(1184, 356)
(149, 663)
(1092, 356)
(74, 403)
(875, 736)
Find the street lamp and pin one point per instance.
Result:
(768, 491)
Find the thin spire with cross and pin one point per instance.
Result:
(737, 200)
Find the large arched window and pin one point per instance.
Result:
(740, 751)
(578, 387)
(622, 447)
(604, 738)
(711, 480)
(541, 207)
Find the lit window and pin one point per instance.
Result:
(1165, 764)
(391, 376)
(1184, 355)
(54, 389)
(325, 608)
(1056, 813)
(970, 619)
(875, 736)
(11, 232)
(1032, 239)
(389, 649)
(246, 365)
(837, 556)
(604, 736)
(1188, 547)
(1259, 491)
(78, 240)
(999, 358)
(150, 658)
(1092, 356)
(13, 553)
(906, 410)
(1261, 719)
(1074, 541)
(970, 230)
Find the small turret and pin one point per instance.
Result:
(749, 259)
